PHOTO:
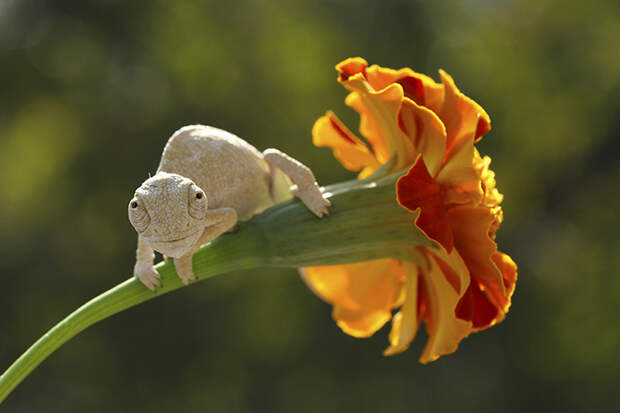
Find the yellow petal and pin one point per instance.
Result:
(363, 294)
(492, 196)
(416, 86)
(459, 178)
(445, 331)
(405, 323)
(471, 227)
(463, 118)
(352, 153)
(426, 131)
(379, 112)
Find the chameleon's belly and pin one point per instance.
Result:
(231, 172)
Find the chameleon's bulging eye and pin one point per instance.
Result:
(138, 216)
(197, 206)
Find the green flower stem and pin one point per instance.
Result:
(365, 223)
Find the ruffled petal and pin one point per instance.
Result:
(508, 268)
(463, 118)
(471, 226)
(459, 178)
(416, 86)
(426, 131)
(350, 67)
(363, 294)
(476, 307)
(405, 323)
(352, 153)
(418, 190)
(379, 120)
(492, 197)
(444, 329)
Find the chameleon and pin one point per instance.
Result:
(208, 179)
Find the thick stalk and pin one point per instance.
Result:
(365, 223)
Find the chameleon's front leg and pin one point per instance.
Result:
(307, 190)
(144, 270)
(217, 221)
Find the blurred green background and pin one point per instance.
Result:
(91, 91)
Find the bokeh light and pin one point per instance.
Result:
(92, 90)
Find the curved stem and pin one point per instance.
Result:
(224, 254)
(365, 223)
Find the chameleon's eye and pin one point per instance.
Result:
(197, 206)
(138, 216)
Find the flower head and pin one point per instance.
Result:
(462, 283)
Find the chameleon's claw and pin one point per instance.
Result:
(312, 197)
(183, 266)
(149, 277)
(186, 278)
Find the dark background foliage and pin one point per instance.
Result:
(90, 92)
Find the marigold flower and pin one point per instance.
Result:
(462, 284)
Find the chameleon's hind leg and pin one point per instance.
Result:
(307, 190)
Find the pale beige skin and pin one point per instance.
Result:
(207, 180)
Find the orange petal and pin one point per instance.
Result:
(418, 190)
(416, 86)
(426, 132)
(405, 323)
(379, 120)
(363, 294)
(492, 197)
(445, 330)
(352, 153)
(508, 268)
(476, 307)
(463, 118)
(350, 67)
(459, 178)
(470, 226)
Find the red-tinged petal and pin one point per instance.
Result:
(426, 132)
(350, 67)
(463, 118)
(458, 177)
(416, 86)
(405, 323)
(379, 120)
(445, 330)
(476, 307)
(363, 294)
(470, 226)
(352, 153)
(418, 190)
(508, 268)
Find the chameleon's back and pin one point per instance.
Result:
(231, 172)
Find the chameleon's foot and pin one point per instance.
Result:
(183, 266)
(149, 277)
(312, 197)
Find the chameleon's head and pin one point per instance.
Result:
(168, 210)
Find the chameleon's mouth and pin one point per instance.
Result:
(176, 247)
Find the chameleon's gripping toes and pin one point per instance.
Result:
(207, 180)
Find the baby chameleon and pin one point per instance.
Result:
(207, 180)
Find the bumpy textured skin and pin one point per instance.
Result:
(207, 180)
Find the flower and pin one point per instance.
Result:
(461, 284)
